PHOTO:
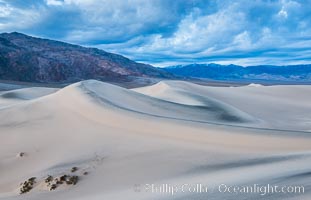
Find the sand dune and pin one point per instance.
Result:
(170, 133)
(8, 86)
(275, 107)
(12, 97)
(27, 93)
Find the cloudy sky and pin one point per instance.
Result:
(168, 32)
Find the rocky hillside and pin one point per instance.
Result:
(30, 59)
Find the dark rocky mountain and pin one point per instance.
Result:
(30, 59)
(234, 72)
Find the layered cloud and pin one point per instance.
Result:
(164, 32)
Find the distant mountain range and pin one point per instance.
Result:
(30, 59)
(299, 73)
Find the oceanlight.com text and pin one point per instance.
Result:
(259, 189)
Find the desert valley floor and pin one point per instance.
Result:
(172, 133)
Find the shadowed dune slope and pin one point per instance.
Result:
(12, 97)
(27, 93)
(210, 111)
(276, 107)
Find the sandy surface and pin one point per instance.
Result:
(172, 133)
